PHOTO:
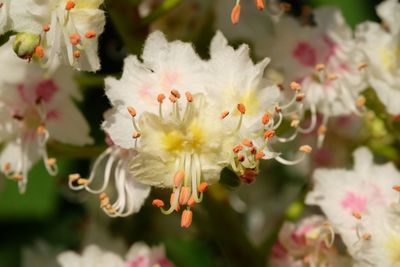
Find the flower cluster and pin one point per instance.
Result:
(178, 120)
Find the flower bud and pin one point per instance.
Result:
(25, 44)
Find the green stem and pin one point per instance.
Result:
(165, 7)
(74, 152)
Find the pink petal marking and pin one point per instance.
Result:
(46, 90)
(139, 262)
(52, 115)
(169, 79)
(305, 54)
(354, 202)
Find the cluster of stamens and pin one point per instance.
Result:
(274, 9)
(19, 173)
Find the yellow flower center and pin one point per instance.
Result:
(392, 246)
(187, 139)
(390, 57)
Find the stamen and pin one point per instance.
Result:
(172, 99)
(241, 108)
(191, 202)
(360, 101)
(104, 200)
(260, 4)
(136, 135)
(160, 98)
(300, 97)
(259, 155)
(74, 39)
(187, 217)
(241, 158)
(278, 109)
(247, 142)
(189, 97)
(269, 134)
(90, 34)
(83, 181)
(362, 66)
(306, 149)
(366, 236)
(178, 178)
(175, 93)
(295, 86)
(357, 215)
(77, 54)
(235, 14)
(74, 177)
(69, 5)
(224, 114)
(132, 111)
(237, 148)
(295, 123)
(39, 51)
(18, 177)
(266, 118)
(202, 187)
(184, 195)
(46, 27)
(7, 167)
(158, 203)
(51, 162)
(396, 187)
(319, 67)
(332, 77)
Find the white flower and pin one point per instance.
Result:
(4, 16)
(69, 29)
(350, 198)
(165, 67)
(112, 164)
(310, 243)
(139, 255)
(382, 50)
(35, 108)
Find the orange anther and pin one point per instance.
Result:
(77, 54)
(51, 161)
(40, 129)
(69, 5)
(46, 27)
(241, 108)
(247, 142)
(332, 77)
(175, 93)
(265, 118)
(305, 149)
(132, 111)
(396, 187)
(278, 109)
(187, 217)
(74, 177)
(74, 39)
(18, 177)
(360, 101)
(322, 130)
(241, 158)
(136, 135)
(178, 178)
(295, 123)
(269, 134)
(237, 148)
(295, 86)
(357, 215)
(158, 203)
(103, 196)
(191, 202)
(362, 66)
(83, 181)
(189, 97)
(39, 51)
(202, 187)
(366, 236)
(260, 4)
(7, 167)
(184, 195)
(319, 67)
(224, 114)
(253, 150)
(90, 34)
(160, 98)
(171, 202)
(235, 14)
(260, 155)
(172, 98)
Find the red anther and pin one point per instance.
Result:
(253, 150)
(224, 114)
(77, 54)
(265, 118)
(46, 27)
(69, 5)
(237, 148)
(175, 93)
(131, 111)
(189, 97)
(160, 98)
(158, 203)
(240, 158)
(186, 219)
(191, 202)
(260, 155)
(136, 135)
(74, 39)
(260, 4)
(178, 178)
(235, 14)
(300, 97)
(202, 187)
(184, 195)
(247, 142)
(90, 34)
(248, 176)
(278, 109)
(39, 51)
(241, 107)
(269, 134)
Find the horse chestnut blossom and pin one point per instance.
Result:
(4, 16)
(139, 255)
(185, 146)
(35, 108)
(325, 60)
(309, 243)
(380, 44)
(113, 163)
(65, 30)
(363, 206)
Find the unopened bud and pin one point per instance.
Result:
(25, 44)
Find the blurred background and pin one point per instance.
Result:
(232, 227)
